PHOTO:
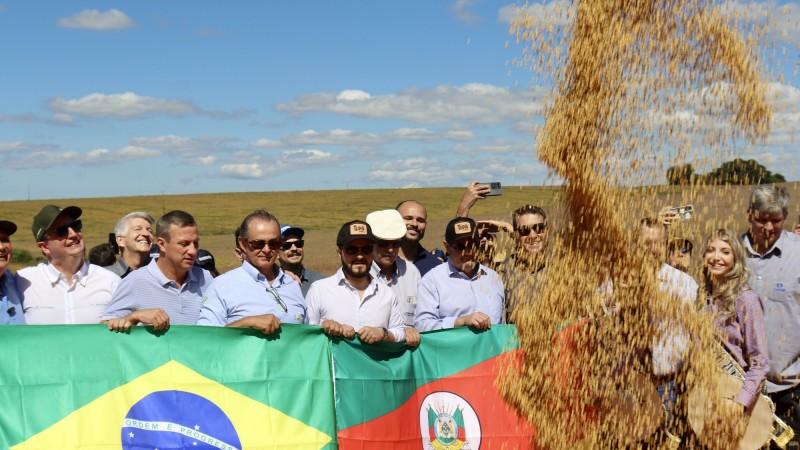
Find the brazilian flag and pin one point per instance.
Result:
(83, 387)
(440, 396)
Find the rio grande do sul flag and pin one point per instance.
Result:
(82, 387)
(440, 396)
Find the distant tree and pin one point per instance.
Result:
(681, 174)
(738, 171)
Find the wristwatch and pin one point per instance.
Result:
(385, 333)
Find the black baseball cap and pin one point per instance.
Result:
(8, 227)
(460, 228)
(47, 215)
(354, 230)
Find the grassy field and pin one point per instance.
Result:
(322, 212)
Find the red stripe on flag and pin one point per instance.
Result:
(500, 427)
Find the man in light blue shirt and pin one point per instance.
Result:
(461, 292)
(170, 288)
(10, 300)
(258, 294)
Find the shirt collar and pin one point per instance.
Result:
(399, 269)
(280, 278)
(342, 281)
(54, 276)
(162, 279)
(455, 272)
(777, 247)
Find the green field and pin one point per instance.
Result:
(322, 212)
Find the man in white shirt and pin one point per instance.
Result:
(66, 289)
(352, 301)
(403, 277)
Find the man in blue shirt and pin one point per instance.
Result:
(170, 288)
(461, 292)
(258, 294)
(10, 300)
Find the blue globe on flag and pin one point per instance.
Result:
(177, 420)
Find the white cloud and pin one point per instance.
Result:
(186, 146)
(461, 11)
(206, 160)
(267, 143)
(308, 157)
(250, 170)
(93, 19)
(360, 139)
(20, 155)
(474, 102)
(123, 105)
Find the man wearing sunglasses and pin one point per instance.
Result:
(66, 289)
(461, 292)
(403, 277)
(291, 257)
(258, 294)
(170, 288)
(10, 300)
(352, 301)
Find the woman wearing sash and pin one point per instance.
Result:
(738, 315)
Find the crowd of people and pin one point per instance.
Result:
(390, 288)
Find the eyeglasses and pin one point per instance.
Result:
(288, 245)
(278, 299)
(260, 244)
(387, 244)
(63, 231)
(537, 228)
(364, 250)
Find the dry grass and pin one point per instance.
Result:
(319, 212)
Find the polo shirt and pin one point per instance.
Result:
(334, 298)
(245, 292)
(148, 287)
(445, 294)
(10, 301)
(48, 299)
(775, 277)
(404, 282)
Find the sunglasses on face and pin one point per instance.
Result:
(364, 250)
(260, 244)
(537, 228)
(388, 244)
(288, 245)
(63, 231)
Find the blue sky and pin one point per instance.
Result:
(107, 98)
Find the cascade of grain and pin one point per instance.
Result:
(623, 66)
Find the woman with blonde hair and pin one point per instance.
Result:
(738, 311)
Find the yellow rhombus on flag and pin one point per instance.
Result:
(173, 406)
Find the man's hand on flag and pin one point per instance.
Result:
(334, 328)
(155, 317)
(477, 320)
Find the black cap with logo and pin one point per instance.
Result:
(354, 230)
(460, 228)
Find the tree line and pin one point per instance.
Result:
(737, 171)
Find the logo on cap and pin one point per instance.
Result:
(358, 229)
(463, 227)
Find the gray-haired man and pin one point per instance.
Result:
(134, 235)
(773, 258)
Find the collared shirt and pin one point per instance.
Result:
(775, 276)
(148, 287)
(10, 301)
(47, 298)
(445, 294)
(245, 292)
(334, 298)
(120, 267)
(425, 261)
(308, 277)
(521, 282)
(745, 338)
(404, 282)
